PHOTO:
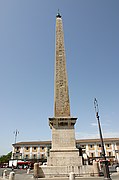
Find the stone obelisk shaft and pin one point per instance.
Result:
(61, 97)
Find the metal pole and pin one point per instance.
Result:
(106, 168)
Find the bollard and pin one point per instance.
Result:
(117, 168)
(95, 168)
(5, 174)
(72, 176)
(28, 171)
(36, 170)
(12, 176)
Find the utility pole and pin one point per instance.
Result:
(15, 135)
(105, 162)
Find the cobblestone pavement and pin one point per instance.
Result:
(30, 177)
(22, 175)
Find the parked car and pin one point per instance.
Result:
(115, 165)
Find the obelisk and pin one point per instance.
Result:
(64, 151)
(61, 99)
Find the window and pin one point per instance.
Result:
(42, 156)
(34, 156)
(26, 156)
(48, 152)
(99, 145)
(43, 148)
(83, 146)
(91, 146)
(110, 153)
(72, 124)
(34, 148)
(108, 145)
(27, 148)
(92, 154)
(17, 148)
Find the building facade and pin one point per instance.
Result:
(90, 149)
(31, 151)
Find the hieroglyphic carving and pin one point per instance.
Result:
(61, 99)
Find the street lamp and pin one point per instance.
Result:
(16, 134)
(105, 162)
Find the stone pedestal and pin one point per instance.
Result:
(64, 171)
(64, 156)
(64, 151)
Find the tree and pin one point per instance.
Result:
(5, 158)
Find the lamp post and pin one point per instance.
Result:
(105, 162)
(16, 133)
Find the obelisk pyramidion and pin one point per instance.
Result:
(64, 151)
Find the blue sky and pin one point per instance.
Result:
(27, 55)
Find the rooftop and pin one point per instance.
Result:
(77, 141)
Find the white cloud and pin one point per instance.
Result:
(93, 124)
(106, 124)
